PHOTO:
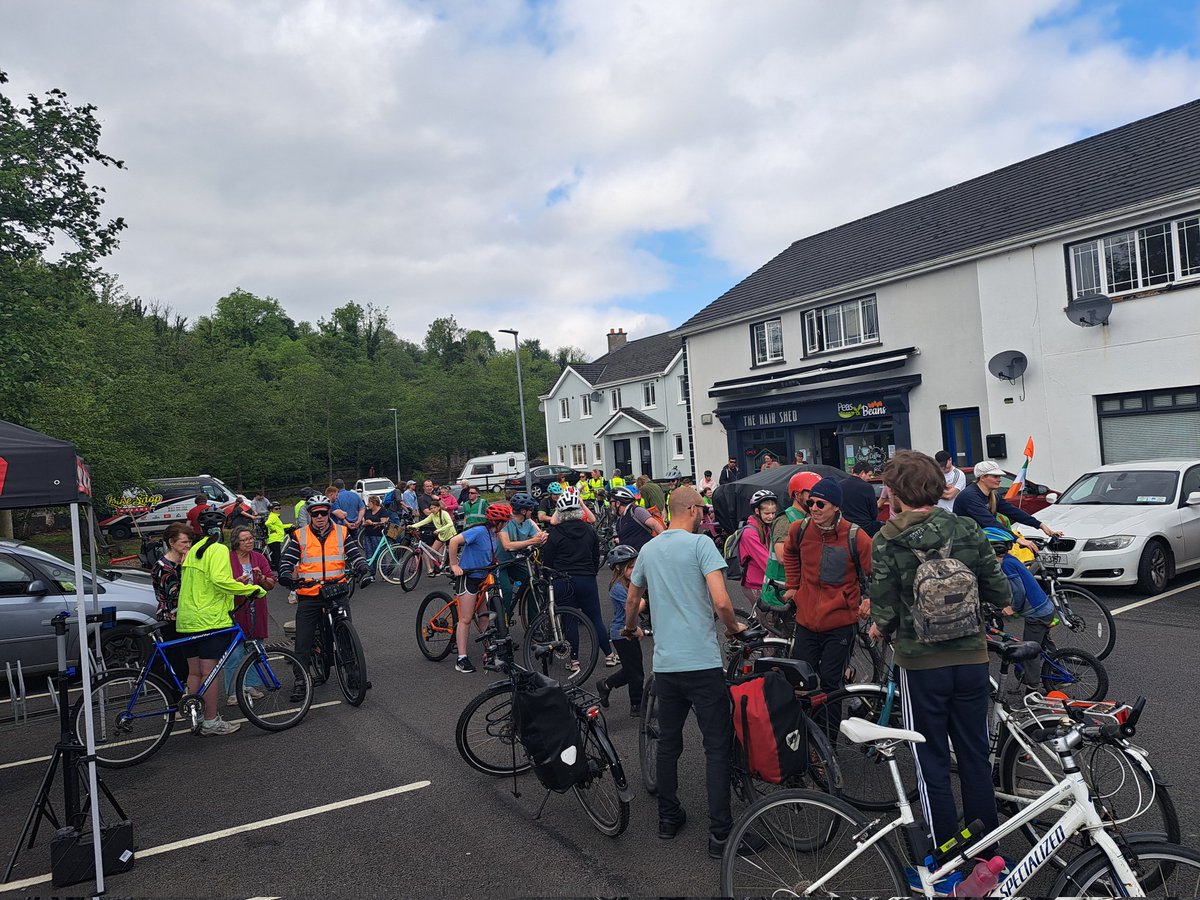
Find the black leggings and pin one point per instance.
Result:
(632, 671)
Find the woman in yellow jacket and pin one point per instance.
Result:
(442, 523)
(276, 533)
(206, 594)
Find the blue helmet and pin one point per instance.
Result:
(523, 501)
(999, 538)
(554, 488)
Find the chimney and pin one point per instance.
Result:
(616, 338)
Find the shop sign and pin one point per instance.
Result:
(855, 410)
(773, 417)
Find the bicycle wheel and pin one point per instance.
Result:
(1162, 870)
(600, 793)
(866, 661)
(866, 782)
(411, 569)
(284, 687)
(530, 604)
(486, 735)
(351, 663)
(742, 655)
(391, 562)
(130, 722)
(568, 621)
(437, 621)
(320, 660)
(648, 738)
(1122, 786)
(1089, 625)
(1076, 673)
(787, 841)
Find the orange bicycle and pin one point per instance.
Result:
(437, 618)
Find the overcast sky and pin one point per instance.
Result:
(559, 167)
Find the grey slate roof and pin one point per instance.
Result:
(637, 415)
(1149, 158)
(645, 356)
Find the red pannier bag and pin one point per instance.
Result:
(771, 727)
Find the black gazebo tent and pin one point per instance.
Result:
(38, 470)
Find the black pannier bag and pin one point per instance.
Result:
(549, 731)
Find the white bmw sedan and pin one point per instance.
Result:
(1135, 523)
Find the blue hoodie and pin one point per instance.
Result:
(1028, 598)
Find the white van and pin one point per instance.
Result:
(162, 502)
(490, 472)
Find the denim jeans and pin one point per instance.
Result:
(580, 592)
(705, 692)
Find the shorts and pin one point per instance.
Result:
(208, 644)
(470, 582)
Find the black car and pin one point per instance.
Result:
(540, 478)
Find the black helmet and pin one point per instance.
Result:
(211, 521)
(523, 501)
(620, 554)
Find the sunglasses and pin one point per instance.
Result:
(816, 504)
(314, 514)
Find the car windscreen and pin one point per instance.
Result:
(1132, 488)
(377, 484)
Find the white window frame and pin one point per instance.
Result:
(564, 409)
(614, 399)
(649, 395)
(598, 450)
(679, 445)
(816, 340)
(578, 455)
(585, 406)
(683, 390)
(1097, 253)
(771, 331)
(562, 454)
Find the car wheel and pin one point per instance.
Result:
(122, 648)
(536, 492)
(1154, 568)
(120, 532)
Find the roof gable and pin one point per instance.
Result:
(1150, 158)
(636, 359)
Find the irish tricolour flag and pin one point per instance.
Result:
(1019, 482)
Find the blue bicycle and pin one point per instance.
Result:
(136, 708)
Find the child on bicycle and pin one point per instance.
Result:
(621, 561)
(1029, 601)
(441, 522)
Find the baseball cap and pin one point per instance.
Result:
(987, 467)
(410, 481)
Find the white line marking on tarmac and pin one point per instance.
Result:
(175, 733)
(1155, 599)
(242, 829)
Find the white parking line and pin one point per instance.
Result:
(242, 829)
(175, 733)
(1155, 599)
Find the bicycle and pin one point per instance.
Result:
(1070, 670)
(437, 616)
(135, 709)
(566, 630)
(336, 644)
(488, 734)
(1092, 625)
(824, 771)
(408, 561)
(384, 558)
(802, 842)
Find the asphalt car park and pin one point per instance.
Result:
(375, 801)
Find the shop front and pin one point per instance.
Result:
(831, 426)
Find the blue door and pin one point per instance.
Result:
(964, 439)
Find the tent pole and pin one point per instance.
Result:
(91, 520)
(85, 667)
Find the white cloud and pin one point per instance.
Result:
(404, 152)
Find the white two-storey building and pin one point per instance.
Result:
(878, 334)
(625, 411)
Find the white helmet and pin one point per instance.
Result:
(567, 500)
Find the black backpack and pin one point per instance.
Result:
(549, 731)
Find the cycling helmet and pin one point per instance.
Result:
(523, 501)
(554, 488)
(620, 554)
(317, 501)
(211, 521)
(498, 513)
(567, 500)
(624, 495)
(759, 497)
(802, 481)
(999, 538)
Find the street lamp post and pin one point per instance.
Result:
(521, 400)
(396, 424)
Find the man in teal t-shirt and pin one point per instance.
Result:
(683, 575)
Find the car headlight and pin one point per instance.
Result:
(1115, 542)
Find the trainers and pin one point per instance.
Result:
(291, 597)
(611, 660)
(218, 728)
(573, 666)
(298, 692)
(602, 691)
(231, 700)
(465, 665)
(635, 711)
(945, 887)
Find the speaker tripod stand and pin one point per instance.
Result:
(69, 755)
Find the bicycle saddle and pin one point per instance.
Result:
(1017, 651)
(860, 731)
(147, 630)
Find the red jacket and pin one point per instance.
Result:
(823, 606)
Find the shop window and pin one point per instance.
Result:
(766, 339)
(841, 325)
(873, 442)
(1161, 424)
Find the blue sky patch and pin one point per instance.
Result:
(696, 277)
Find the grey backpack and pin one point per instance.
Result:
(945, 598)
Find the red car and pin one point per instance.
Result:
(1032, 498)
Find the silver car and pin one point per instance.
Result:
(36, 586)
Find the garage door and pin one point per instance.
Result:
(1162, 424)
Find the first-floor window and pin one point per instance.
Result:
(841, 325)
(564, 409)
(614, 398)
(585, 406)
(648, 395)
(678, 446)
(579, 454)
(562, 454)
(767, 340)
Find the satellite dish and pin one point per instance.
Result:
(1089, 310)
(1008, 365)
(597, 396)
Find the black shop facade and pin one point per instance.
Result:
(833, 426)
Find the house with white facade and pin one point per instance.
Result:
(878, 334)
(625, 411)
